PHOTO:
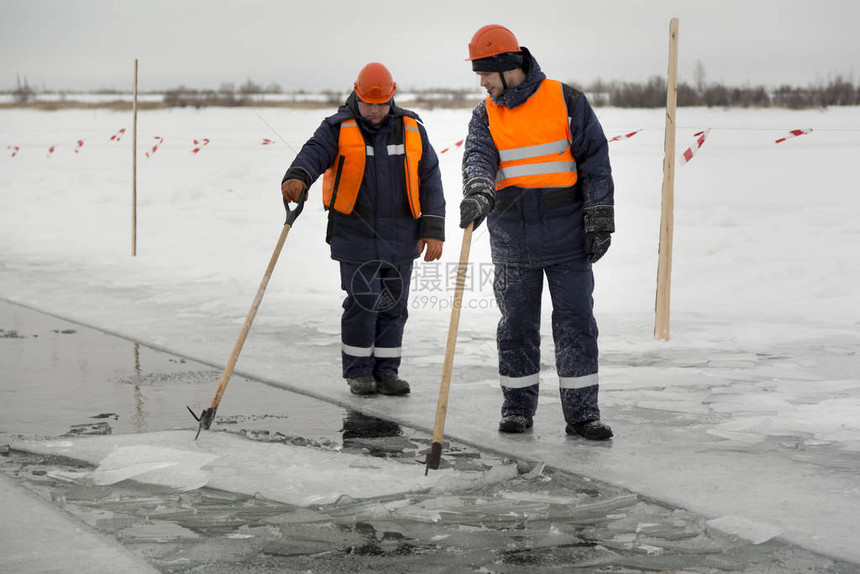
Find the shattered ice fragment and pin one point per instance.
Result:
(536, 472)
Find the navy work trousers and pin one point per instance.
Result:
(374, 315)
(518, 293)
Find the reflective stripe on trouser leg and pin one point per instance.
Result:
(574, 328)
(393, 312)
(374, 315)
(518, 294)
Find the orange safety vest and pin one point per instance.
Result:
(533, 140)
(342, 180)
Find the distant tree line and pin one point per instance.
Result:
(226, 95)
(652, 94)
(837, 91)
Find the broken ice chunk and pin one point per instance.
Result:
(744, 528)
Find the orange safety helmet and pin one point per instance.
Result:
(375, 84)
(492, 40)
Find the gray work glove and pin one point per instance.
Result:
(599, 223)
(479, 196)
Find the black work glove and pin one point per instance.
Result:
(599, 223)
(479, 196)
(597, 244)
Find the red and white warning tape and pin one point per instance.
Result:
(624, 136)
(158, 141)
(615, 139)
(454, 145)
(793, 134)
(199, 144)
(688, 153)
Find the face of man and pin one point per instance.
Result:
(492, 82)
(374, 113)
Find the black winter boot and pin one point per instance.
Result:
(592, 430)
(515, 424)
(392, 385)
(362, 385)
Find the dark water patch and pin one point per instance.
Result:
(89, 429)
(13, 334)
(113, 416)
(171, 379)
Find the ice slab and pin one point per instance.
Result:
(163, 466)
(302, 476)
(744, 528)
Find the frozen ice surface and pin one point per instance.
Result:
(752, 403)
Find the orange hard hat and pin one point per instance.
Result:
(375, 84)
(492, 40)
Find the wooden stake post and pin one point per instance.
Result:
(134, 166)
(664, 264)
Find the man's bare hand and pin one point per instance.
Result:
(434, 248)
(292, 190)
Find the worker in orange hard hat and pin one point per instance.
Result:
(374, 84)
(382, 189)
(536, 167)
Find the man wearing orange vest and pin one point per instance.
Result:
(536, 166)
(383, 191)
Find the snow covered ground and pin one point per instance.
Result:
(749, 414)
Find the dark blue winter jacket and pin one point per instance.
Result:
(543, 226)
(381, 226)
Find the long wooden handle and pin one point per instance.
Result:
(435, 455)
(243, 334)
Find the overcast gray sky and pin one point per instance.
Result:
(313, 44)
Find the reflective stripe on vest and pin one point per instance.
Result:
(533, 140)
(342, 180)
